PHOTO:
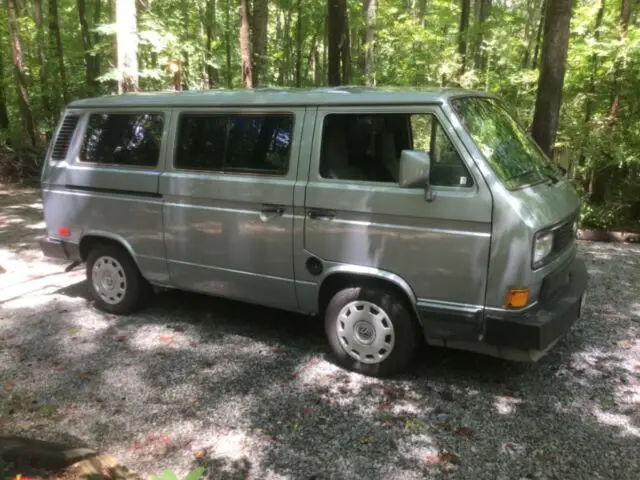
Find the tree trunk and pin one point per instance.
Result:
(42, 63)
(551, 81)
(339, 59)
(625, 18)
(594, 66)
(422, 13)
(299, 46)
(245, 48)
(462, 34)
(536, 54)
(19, 72)
(212, 34)
(56, 41)
(227, 35)
(127, 41)
(260, 22)
(90, 75)
(369, 58)
(185, 61)
(97, 13)
(480, 56)
(4, 114)
(591, 88)
(345, 46)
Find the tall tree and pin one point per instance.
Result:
(19, 73)
(339, 58)
(552, 71)
(260, 20)
(127, 46)
(89, 65)
(186, 30)
(211, 30)
(245, 47)
(543, 15)
(483, 14)
(4, 113)
(42, 63)
(463, 33)
(299, 44)
(369, 42)
(56, 41)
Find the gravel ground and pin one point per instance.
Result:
(253, 393)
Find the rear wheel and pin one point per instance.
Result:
(371, 330)
(115, 283)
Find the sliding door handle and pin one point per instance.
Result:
(318, 214)
(267, 212)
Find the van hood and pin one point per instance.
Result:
(546, 204)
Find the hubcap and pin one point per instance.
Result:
(365, 332)
(109, 280)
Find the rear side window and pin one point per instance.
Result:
(255, 144)
(123, 139)
(63, 139)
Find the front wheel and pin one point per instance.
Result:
(371, 330)
(115, 283)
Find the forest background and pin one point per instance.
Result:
(570, 70)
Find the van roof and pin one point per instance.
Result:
(347, 95)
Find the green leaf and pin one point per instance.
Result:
(168, 475)
(195, 474)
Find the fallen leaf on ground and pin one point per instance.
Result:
(443, 457)
(364, 440)
(464, 432)
(9, 386)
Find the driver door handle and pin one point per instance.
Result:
(320, 214)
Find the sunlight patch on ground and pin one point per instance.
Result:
(505, 405)
(616, 420)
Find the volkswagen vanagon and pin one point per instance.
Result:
(401, 217)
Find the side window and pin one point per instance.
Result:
(201, 142)
(363, 147)
(447, 168)
(235, 143)
(123, 139)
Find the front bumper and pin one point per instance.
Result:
(541, 326)
(54, 248)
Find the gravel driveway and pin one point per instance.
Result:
(253, 393)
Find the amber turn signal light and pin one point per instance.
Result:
(517, 298)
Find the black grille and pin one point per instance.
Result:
(563, 237)
(64, 137)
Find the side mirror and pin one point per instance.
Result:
(414, 171)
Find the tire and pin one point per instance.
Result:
(382, 319)
(123, 290)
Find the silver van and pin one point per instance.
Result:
(403, 218)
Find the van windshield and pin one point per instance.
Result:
(514, 156)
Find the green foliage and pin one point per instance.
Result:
(600, 150)
(195, 474)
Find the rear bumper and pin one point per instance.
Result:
(54, 248)
(540, 327)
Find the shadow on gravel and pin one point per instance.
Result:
(20, 219)
(253, 390)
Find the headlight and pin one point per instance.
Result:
(542, 246)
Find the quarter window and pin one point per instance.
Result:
(123, 139)
(258, 144)
(367, 147)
